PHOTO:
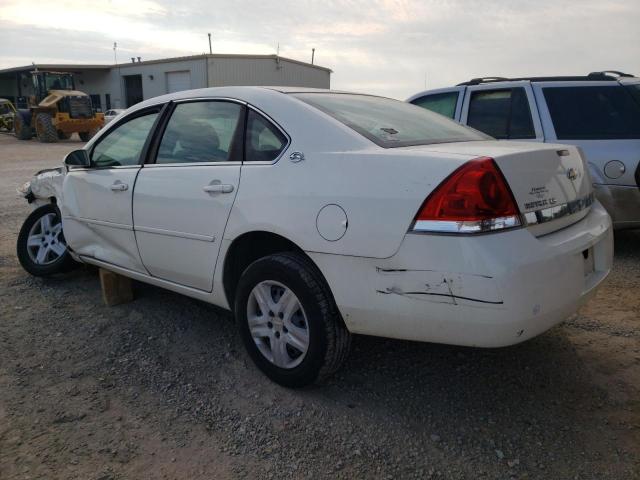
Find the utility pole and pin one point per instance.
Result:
(210, 51)
(115, 59)
(313, 54)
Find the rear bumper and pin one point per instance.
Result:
(622, 202)
(487, 291)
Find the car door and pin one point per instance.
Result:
(183, 197)
(506, 111)
(96, 210)
(445, 101)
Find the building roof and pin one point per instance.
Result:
(80, 66)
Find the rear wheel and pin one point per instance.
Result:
(288, 320)
(42, 249)
(86, 136)
(21, 130)
(45, 129)
(63, 136)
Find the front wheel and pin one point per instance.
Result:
(45, 129)
(288, 320)
(42, 249)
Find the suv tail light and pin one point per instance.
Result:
(473, 199)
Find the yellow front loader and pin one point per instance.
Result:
(57, 110)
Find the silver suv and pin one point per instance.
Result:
(599, 112)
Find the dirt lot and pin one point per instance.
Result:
(160, 388)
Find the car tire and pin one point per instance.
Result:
(86, 136)
(292, 278)
(45, 129)
(51, 255)
(21, 130)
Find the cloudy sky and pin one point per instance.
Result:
(388, 47)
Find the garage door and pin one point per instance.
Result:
(178, 81)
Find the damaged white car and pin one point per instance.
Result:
(314, 215)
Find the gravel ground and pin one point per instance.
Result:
(160, 387)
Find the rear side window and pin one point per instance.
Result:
(503, 114)
(200, 132)
(264, 141)
(442, 103)
(593, 113)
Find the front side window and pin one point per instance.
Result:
(123, 145)
(442, 103)
(264, 141)
(201, 132)
(593, 112)
(503, 114)
(389, 123)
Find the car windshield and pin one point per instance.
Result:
(390, 123)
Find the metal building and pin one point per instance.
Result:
(125, 84)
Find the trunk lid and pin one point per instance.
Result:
(550, 183)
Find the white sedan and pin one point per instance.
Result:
(314, 215)
(109, 115)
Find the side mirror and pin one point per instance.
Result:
(77, 158)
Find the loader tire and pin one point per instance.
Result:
(86, 136)
(45, 129)
(64, 136)
(21, 130)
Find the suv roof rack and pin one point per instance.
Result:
(603, 75)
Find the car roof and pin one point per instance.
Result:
(606, 75)
(245, 93)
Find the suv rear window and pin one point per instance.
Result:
(593, 113)
(389, 123)
(503, 113)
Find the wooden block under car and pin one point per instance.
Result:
(116, 289)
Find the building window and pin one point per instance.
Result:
(95, 102)
(107, 101)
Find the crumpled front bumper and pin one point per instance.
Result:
(43, 186)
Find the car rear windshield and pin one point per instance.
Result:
(593, 113)
(390, 123)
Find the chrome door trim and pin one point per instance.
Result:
(102, 223)
(173, 233)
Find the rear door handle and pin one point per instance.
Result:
(118, 186)
(218, 188)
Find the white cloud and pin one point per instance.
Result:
(384, 46)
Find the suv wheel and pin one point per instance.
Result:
(288, 320)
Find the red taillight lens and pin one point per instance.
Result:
(474, 198)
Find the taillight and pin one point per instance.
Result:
(473, 199)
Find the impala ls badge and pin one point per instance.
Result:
(572, 174)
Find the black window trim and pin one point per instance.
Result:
(271, 121)
(159, 108)
(505, 89)
(152, 154)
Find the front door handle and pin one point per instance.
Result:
(118, 186)
(218, 188)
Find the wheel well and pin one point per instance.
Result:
(245, 250)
